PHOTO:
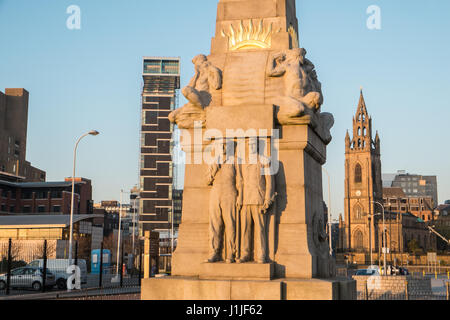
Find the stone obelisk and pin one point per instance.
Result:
(258, 84)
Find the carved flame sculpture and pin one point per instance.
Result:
(250, 36)
(294, 37)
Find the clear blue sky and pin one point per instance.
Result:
(91, 78)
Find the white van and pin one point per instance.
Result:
(59, 268)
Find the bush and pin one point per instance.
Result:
(14, 265)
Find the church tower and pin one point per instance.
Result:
(363, 183)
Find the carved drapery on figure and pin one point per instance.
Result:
(226, 180)
(198, 92)
(258, 195)
(240, 198)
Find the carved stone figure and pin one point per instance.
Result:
(327, 120)
(206, 78)
(303, 91)
(226, 180)
(258, 196)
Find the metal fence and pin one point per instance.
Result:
(401, 296)
(26, 269)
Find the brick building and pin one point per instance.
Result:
(13, 136)
(45, 198)
(396, 200)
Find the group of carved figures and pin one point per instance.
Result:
(302, 95)
(242, 194)
(240, 198)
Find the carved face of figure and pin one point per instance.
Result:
(227, 150)
(199, 59)
(296, 55)
(253, 146)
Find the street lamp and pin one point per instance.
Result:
(370, 234)
(384, 236)
(118, 236)
(329, 211)
(92, 133)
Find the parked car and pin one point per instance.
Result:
(28, 277)
(367, 272)
(59, 268)
(404, 271)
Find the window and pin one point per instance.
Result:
(12, 209)
(358, 212)
(41, 195)
(358, 173)
(41, 209)
(56, 194)
(359, 240)
(26, 209)
(56, 209)
(27, 195)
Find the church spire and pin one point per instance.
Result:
(362, 127)
(362, 109)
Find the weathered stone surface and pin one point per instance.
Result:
(241, 121)
(255, 76)
(242, 271)
(190, 288)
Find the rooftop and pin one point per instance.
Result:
(41, 221)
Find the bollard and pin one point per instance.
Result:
(367, 290)
(448, 275)
(435, 275)
(406, 291)
(448, 291)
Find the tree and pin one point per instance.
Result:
(413, 246)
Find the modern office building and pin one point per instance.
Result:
(415, 186)
(161, 78)
(13, 136)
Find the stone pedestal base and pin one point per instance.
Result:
(236, 271)
(188, 288)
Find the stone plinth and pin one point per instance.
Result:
(190, 288)
(244, 271)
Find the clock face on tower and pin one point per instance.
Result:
(358, 193)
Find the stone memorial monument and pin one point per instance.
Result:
(255, 138)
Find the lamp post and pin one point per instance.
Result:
(92, 133)
(134, 222)
(384, 236)
(370, 234)
(118, 236)
(329, 211)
